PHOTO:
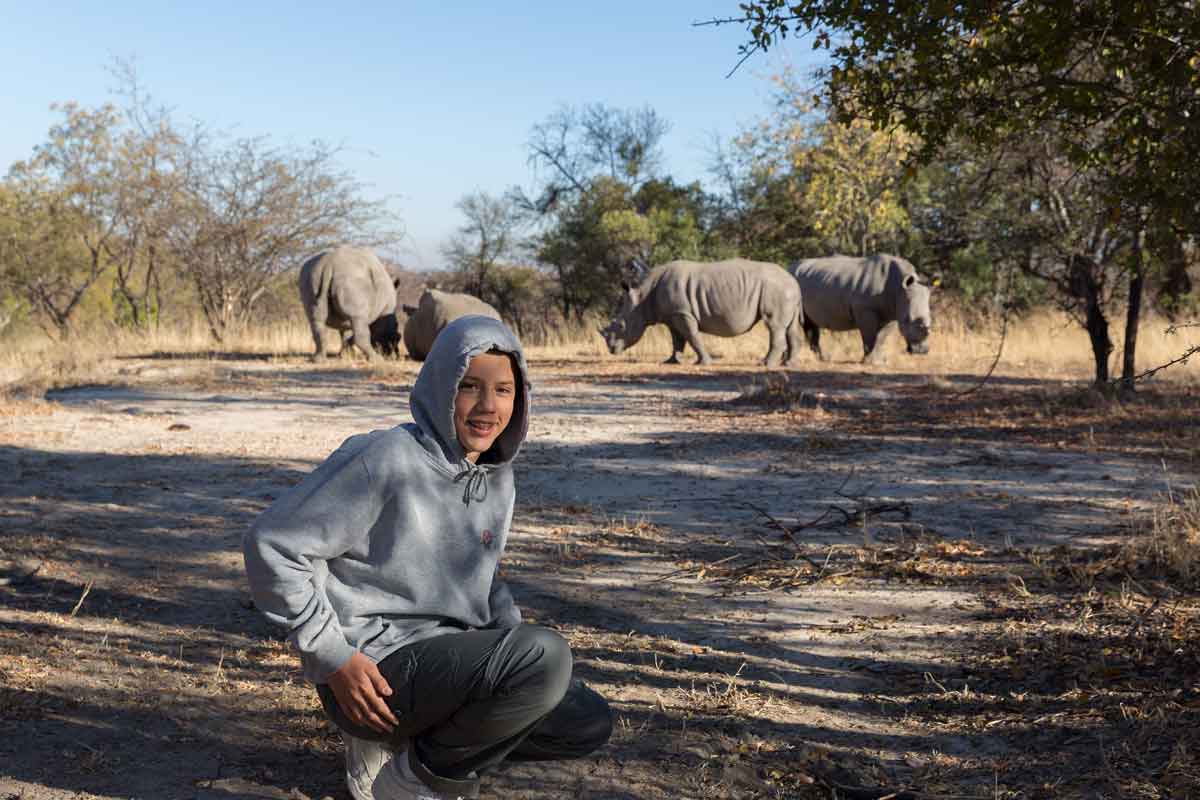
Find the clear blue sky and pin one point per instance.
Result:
(430, 101)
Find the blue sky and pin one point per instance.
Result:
(430, 101)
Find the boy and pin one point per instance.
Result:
(382, 565)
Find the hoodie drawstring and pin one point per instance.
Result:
(476, 483)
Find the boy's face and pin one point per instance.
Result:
(483, 404)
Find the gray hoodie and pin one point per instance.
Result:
(396, 536)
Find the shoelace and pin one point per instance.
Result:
(475, 478)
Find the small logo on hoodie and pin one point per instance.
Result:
(486, 538)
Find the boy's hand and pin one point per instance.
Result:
(360, 687)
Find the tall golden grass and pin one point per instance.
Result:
(1044, 343)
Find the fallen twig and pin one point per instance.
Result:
(86, 589)
(685, 570)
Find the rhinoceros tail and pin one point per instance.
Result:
(316, 279)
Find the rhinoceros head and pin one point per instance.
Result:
(385, 335)
(628, 324)
(912, 312)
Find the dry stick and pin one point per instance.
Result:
(772, 522)
(686, 570)
(1191, 351)
(1000, 349)
(87, 588)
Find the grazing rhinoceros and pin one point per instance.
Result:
(846, 292)
(722, 298)
(348, 289)
(434, 311)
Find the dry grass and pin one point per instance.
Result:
(1081, 655)
(1045, 343)
(1170, 541)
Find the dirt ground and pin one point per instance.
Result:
(828, 582)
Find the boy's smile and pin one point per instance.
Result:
(483, 404)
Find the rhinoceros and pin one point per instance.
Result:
(434, 311)
(842, 293)
(385, 334)
(722, 298)
(348, 289)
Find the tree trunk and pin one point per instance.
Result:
(159, 299)
(131, 299)
(1086, 286)
(1133, 311)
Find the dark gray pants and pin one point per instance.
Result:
(469, 700)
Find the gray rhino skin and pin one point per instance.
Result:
(348, 289)
(722, 298)
(434, 311)
(842, 293)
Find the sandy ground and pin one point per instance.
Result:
(132, 664)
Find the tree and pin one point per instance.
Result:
(574, 146)
(844, 180)
(525, 296)
(1116, 84)
(247, 211)
(490, 235)
(577, 248)
(600, 202)
(123, 193)
(146, 151)
(60, 215)
(986, 71)
(1065, 234)
(761, 212)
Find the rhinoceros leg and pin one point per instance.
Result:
(795, 336)
(813, 334)
(686, 326)
(678, 344)
(362, 337)
(778, 344)
(317, 326)
(874, 334)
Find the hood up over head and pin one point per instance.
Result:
(433, 393)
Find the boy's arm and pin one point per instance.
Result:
(505, 613)
(317, 520)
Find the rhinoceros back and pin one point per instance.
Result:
(832, 286)
(348, 282)
(435, 310)
(725, 297)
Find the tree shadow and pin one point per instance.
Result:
(142, 552)
(243, 356)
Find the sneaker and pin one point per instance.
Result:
(364, 760)
(397, 781)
